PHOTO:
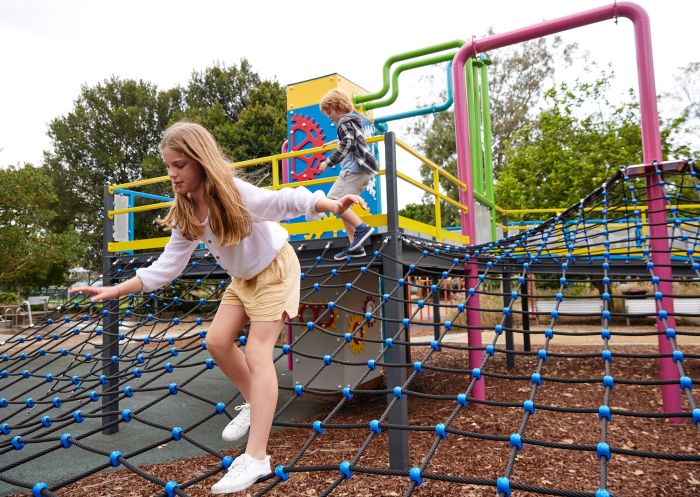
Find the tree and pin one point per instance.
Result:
(33, 255)
(686, 99)
(571, 147)
(112, 136)
(247, 115)
(226, 88)
(518, 77)
(112, 130)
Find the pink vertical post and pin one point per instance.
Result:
(651, 149)
(466, 197)
(651, 142)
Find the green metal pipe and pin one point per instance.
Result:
(436, 59)
(483, 200)
(474, 128)
(433, 109)
(488, 142)
(403, 56)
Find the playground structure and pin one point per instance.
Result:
(357, 312)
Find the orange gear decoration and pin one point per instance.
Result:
(356, 326)
(311, 312)
(359, 324)
(312, 135)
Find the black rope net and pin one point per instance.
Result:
(62, 391)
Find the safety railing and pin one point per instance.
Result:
(625, 221)
(331, 224)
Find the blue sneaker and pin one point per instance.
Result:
(345, 253)
(362, 233)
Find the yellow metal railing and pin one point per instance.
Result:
(641, 208)
(438, 171)
(558, 245)
(331, 223)
(325, 225)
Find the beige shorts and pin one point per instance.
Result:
(274, 291)
(348, 183)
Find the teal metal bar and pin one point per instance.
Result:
(433, 109)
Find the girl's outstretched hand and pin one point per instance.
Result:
(98, 293)
(347, 201)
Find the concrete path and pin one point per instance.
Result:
(176, 410)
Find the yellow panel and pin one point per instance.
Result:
(331, 224)
(429, 230)
(148, 243)
(309, 92)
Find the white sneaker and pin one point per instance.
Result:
(239, 425)
(243, 472)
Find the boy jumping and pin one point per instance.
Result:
(357, 166)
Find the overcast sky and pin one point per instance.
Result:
(51, 48)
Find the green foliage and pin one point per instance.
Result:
(420, 212)
(517, 80)
(9, 298)
(576, 141)
(113, 128)
(686, 99)
(554, 157)
(34, 255)
(112, 136)
(245, 114)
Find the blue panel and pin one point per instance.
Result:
(308, 127)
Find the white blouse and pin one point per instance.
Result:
(255, 252)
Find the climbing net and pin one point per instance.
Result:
(62, 389)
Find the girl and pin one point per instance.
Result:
(236, 221)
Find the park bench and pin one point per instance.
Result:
(570, 307)
(40, 300)
(22, 316)
(647, 307)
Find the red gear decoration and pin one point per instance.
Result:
(313, 135)
(312, 311)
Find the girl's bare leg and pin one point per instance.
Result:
(263, 383)
(222, 334)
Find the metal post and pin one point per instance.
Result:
(407, 311)
(508, 322)
(398, 439)
(436, 309)
(110, 327)
(526, 314)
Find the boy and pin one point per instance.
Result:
(357, 166)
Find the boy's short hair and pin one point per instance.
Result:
(337, 100)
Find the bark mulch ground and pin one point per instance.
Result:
(462, 456)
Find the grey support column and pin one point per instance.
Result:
(508, 322)
(526, 314)
(393, 311)
(436, 308)
(110, 326)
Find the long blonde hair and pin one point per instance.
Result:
(229, 219)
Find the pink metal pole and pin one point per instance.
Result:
(285, 162)
(651, 147)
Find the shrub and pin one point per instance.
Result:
(9, 298)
